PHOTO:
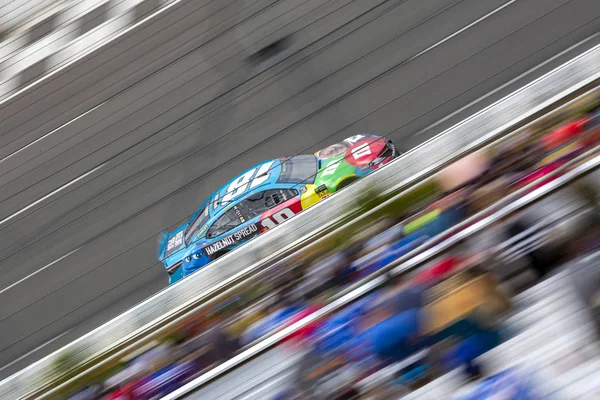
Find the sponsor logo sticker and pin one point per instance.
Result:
(231, 240)
(201, 231)
(175, 241)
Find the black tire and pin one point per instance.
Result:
(220, 254)
(346, 182)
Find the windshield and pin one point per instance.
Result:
(200, 220)
(299, 169)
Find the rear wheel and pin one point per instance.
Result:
(220, 254)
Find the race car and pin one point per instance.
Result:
(265, 196)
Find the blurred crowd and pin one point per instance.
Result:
(410, 316)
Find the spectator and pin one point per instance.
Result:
(476, 334)
(90, 393)
(404, 298)
(438, 271)
(343, 270)
(391, 328)
(536, 258)
(211, 347)
(309, 330)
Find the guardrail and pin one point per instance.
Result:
(151, 317)
(402, 266)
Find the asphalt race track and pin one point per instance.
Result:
(88, 181)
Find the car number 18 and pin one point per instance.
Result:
(249, 180)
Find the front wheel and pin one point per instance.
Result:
(346, 182)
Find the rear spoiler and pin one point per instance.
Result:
(170, 243)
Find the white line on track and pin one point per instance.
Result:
(22, 210)
(461, 30)
(38, 271)
(53, 131)
(36, 349)
(433, 46)
(485, 96)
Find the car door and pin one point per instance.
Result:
(227, 232)
(228, 221)
(271, 207)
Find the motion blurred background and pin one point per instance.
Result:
(118, 118)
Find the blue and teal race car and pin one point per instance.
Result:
(265, 196)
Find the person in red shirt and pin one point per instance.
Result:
(437, 272)
(125, 392)
(564, 134)
(307, 331)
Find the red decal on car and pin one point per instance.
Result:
(364, 151)
(279, 214)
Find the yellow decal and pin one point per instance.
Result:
(201, 231)
(309, 198)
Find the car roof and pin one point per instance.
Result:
(223, 198)
(274, 173)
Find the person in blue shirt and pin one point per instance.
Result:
(396, 337)
(392, 330)
(383, 329)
